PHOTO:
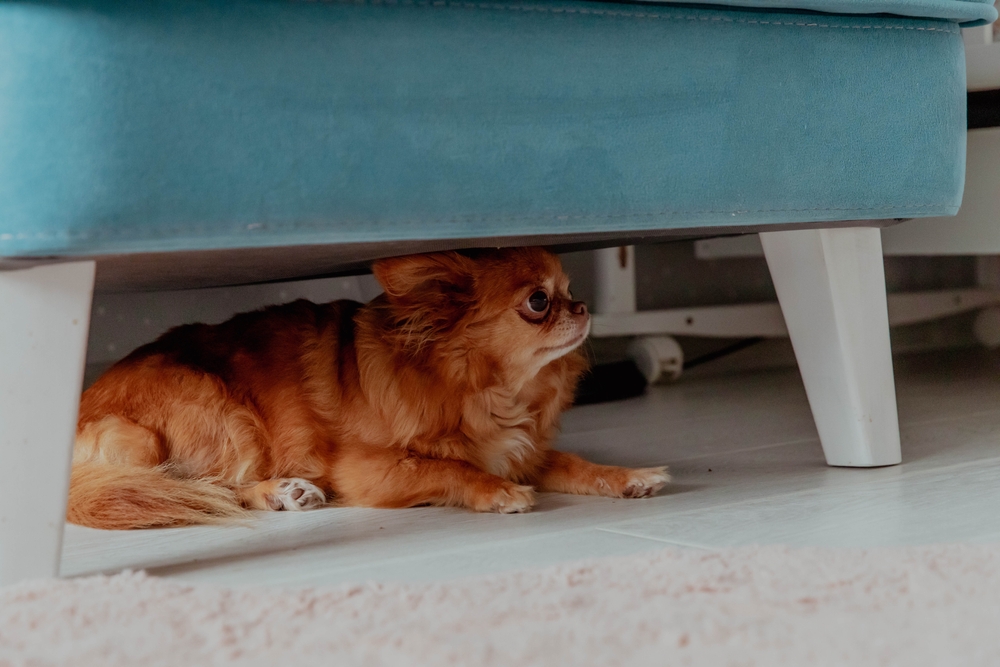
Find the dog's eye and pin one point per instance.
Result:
(538, 302)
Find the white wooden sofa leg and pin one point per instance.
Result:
(44, 321)
(831, 287)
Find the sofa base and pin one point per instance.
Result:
(148, 271)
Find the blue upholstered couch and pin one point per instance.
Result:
(178, 143)
(136, 128)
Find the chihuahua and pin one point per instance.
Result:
(445, 390)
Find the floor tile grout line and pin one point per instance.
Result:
(802, 492)
(815, 439)
(397, 560)
(950, 466)
(756, 448)
(625, 427)
(941, 420)
(797, 441)
(688, 545)
(715, 416)
(784, 443)
(194, 565)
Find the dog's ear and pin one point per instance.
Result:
(410, 277)
(428, 295)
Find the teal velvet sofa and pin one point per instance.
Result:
(181, 143)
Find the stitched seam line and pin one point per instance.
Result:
(254, 227)
(447, 4)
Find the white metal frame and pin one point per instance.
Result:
(621, 318)
(44, 320)
(765, 320)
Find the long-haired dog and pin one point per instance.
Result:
(445, 390)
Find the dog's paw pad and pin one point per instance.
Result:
(513, 499)
(295, 495)
(645, 482)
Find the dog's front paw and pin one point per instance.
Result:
(508, 499)
(644, 482)
(295, 494)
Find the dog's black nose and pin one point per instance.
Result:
(578, 308)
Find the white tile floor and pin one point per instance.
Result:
(747, 465)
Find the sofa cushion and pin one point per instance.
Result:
(187, 125)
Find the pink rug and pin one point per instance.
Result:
(754, 606)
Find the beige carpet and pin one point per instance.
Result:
(755, 606)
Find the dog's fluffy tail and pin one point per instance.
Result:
(114, 497)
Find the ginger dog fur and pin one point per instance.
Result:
(445, 390)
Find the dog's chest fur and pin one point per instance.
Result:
(505, 432)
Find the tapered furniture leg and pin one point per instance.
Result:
(44, 320)
(831, 287)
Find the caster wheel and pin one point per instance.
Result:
(986, 327)
(659, 358)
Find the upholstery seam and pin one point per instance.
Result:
(452, 4)
(256, 227)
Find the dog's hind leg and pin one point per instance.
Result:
(119, 482)
(117, 441)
